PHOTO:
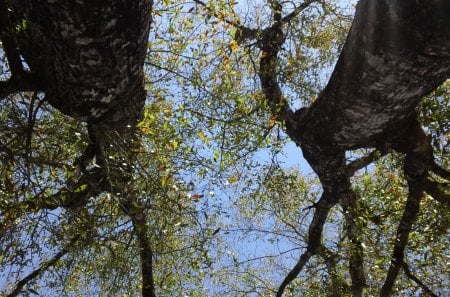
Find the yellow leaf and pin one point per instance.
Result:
(233, 179)
(233, 45)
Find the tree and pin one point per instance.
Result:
(368, 102)
(88, 60)
(396, 52)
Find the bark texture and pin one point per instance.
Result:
(88, 58)
(88, 55)
(396, 52)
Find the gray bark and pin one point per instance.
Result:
(88, 58)
(396, 53)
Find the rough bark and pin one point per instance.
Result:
(391, 59)
(396, 52)
(88, 58)
(89, 55)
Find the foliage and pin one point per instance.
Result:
(224, 215)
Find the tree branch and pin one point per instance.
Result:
(8, 39)
(297, 11)
(338, 285)
(323, 207)
(270, 44)
(433, 188)
(26, 82)
(364, 161)
(44, 266)
(356, 261)
(242, 34)
(411, 276)
(20, 80)
(136, 211)
(63, 198)
(409, 216)
(435, 168)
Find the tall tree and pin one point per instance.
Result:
(87, 58)
(396, 52)
(88, 61)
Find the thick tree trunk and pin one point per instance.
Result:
(397, 51)
(89, 59)
(89, 55)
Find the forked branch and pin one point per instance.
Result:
(323, 208)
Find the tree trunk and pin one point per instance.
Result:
(89, 58)
(397, 51)
(89, 55)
